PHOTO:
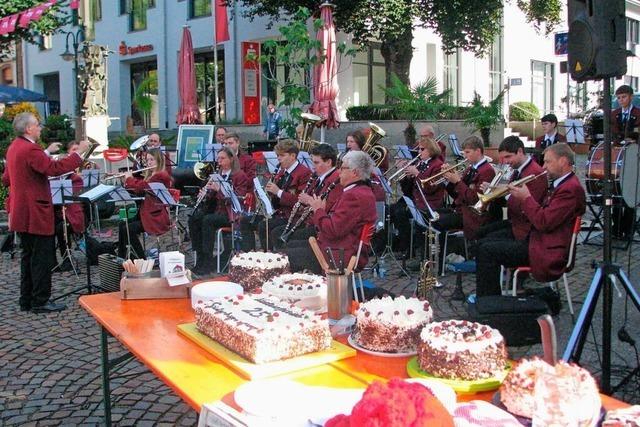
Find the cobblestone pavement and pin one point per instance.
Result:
(50, 363)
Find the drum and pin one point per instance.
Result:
(629, 179)
(595, 169)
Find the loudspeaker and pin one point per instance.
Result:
(597, 39)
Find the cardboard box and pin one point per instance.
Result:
(151, 286)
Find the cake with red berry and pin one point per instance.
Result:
(262, 328)
(391, 325)
(296, 286)
(252, 269)
(459, 349)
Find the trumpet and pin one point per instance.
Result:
(439, 178)
(502, 191)
(120, 175)
(401, 173)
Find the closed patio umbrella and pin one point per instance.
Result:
(188, 113)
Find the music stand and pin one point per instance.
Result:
(271, 160)
(264, 208)
(455, 146)
(122, 196)
(61, 190)
(575, 131)
(305, 159)
(209, 152)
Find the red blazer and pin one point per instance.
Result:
(433, 193)
(341, 226)
(552, 224)
(248, 166)
(291, 189)
(520, 225)
(241, 186)
(558, 138)
(333, 195)
(376, 187)
(153, 214)
(74, 211)
(618, 130)
(26, 172)
(466, 195)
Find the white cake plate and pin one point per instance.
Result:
(357, 346)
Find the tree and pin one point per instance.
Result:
(52, 19)
(470, 25)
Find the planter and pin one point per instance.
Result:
(493, 153)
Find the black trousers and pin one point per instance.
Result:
(302, 233)
(202, 230)
(301, 257)
(62, 244)
(449, 220)
(248, 228)
(135, 228)
(496, 249)
(401, 219)
(37, 259)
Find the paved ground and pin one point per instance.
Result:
(50, 364)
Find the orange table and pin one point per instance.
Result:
(148, 329)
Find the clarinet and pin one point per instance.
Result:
(306, 213)
(203, 195)
(297, 205)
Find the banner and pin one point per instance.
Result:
(251, 83)
(24, 18)
(221, 21)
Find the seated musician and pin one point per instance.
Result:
(219, 134)
(324, 161)
(430, 164)
(427, 131)
(246, 162)
(288, 182)
(551, 136)
(154, 143)
(355, 141)
(547, 247)
(340, 226)
(154, 217)
(625, 119)
(464, 188)
(216, 212)
(74, 213)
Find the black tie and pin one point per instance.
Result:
(516, 175)
(547, 142)
(625, 117)
(472, 172)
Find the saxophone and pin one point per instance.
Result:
(427, 279)
(294, 211)
(306, 213)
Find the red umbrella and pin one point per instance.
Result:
(188, 113)
(325, 80)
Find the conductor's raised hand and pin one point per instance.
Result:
(54, 147)
(83, 146)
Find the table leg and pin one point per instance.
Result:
(106, 388)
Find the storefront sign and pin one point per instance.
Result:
(124, 50)
(251, 83)
(515, 82)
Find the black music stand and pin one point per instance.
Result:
(61, 192)
(209, 153)
(121, 196)
(264, 206)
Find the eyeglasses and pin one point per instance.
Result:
(344, 168)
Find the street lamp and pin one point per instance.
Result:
(76, 38)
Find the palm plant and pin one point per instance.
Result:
(483, 117)
(421, 102)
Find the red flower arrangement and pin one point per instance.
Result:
(395, 404)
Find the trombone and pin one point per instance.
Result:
(439, 178)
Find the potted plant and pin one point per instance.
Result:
(142, 102)
(483, 117)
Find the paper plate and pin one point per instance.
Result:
(354, 344)
(207, 291)
(461, 386)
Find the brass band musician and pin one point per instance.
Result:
(216, 212)
(245, 161)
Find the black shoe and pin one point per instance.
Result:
(201, 270)
(49, 307)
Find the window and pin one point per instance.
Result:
(631, 81)
(633, 31)
(45, 42)
(495, 67)
(205, 84)
(369, 74)
(90, 13)
(146, 72)
(451, 77)
(138, 15)
(198, 8)
(542, 85)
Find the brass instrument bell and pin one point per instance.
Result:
(372, 146)
(202, 170)
(309, 121)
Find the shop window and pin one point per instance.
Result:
(451, 77)
(145, 73)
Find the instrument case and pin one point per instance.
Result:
(515, 317)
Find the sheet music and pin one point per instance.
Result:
(97, 192)
(305, 159)
(415, 213)
(455, 146)
(90, 177)
(383, 181)
(272, 160)
(262, 196)
(403, 152)
(60, 188)
(161, 192)
(120, 194)
(209, 152)
(575, 131)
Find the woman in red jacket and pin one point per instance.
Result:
(154, 217)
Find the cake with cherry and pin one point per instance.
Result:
(252, 269)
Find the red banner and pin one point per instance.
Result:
(24, 18)
(251, 83)
(222, 22)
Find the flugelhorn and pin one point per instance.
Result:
(439, 178)
(88, 153)
(503, 190)
(309, 121)
(372, 146)
(480, 208)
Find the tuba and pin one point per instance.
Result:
(372, 146)
(309, 121)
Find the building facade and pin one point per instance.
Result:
(145, 35)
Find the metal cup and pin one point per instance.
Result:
(339, 296)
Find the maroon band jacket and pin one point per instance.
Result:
(241, 186)
(552, 224)
(341, 226)
(620, 129)
(520, 225)
(433, 193)
(153, 214)
(74, 211)
(26, 174)
(291, 189)
(465, 194)
(248, 166)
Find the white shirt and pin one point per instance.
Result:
(324, 175)
(290, 171)
(349, 187)
(480, 163)
(551, 137)
(559, 181)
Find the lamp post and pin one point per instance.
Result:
(75, 38)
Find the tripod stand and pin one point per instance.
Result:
(67, 244)
(605, 274)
